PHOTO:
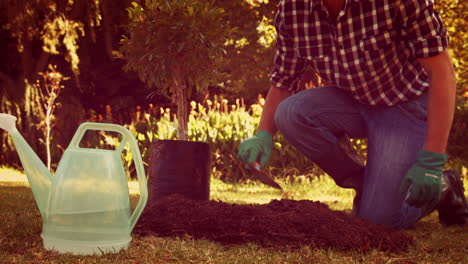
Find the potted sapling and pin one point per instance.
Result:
(177, 47)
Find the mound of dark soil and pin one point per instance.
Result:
(281, 224)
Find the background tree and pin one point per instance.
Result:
(33, 34)
(250, 48)
(79, 36)
(177, 47)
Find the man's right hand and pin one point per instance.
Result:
(256, 148)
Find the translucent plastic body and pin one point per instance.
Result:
(89, 206)
(85, 206)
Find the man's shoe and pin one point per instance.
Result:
(453, 209)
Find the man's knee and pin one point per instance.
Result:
(285, 115)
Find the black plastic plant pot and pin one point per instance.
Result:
(179, 167)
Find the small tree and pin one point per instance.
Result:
(49, 87)
(177, 47)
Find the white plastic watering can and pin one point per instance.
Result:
(85, 206)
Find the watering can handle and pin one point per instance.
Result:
(126, 137)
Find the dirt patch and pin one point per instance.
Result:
(280, 224)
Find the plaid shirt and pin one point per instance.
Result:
(371, 51)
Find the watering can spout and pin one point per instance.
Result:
(39, 176)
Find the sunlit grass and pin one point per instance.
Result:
(20, 229)
(321, 189)
(10, 176)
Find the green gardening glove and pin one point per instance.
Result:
(256, 148)
(424, 180)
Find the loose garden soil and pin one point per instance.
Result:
(280, 224)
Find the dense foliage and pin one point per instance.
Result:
(177, 48)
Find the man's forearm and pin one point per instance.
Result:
(274, 97)
(441, 108)
(441, 105)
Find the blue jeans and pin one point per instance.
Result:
(313, 121)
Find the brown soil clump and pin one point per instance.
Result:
(280, 224)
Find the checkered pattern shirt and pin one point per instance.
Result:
(371, 50)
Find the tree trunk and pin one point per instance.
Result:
(181, 100)
(107, 26)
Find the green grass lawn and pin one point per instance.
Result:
(20, 228)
